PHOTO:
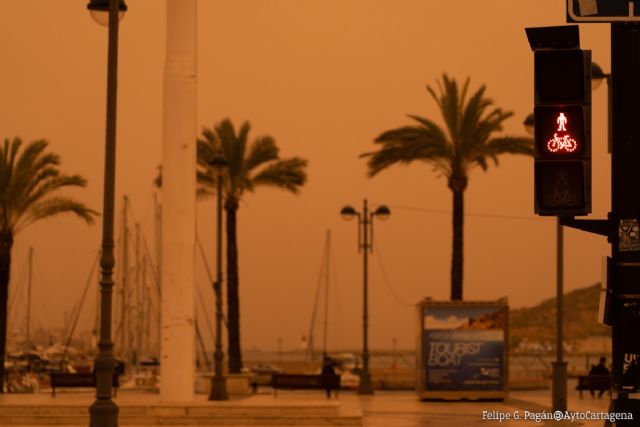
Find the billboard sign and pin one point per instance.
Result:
(463, 348)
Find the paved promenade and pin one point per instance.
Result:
(384, 409)
(404, 410)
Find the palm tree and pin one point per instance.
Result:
(28, 182)
(250, 166)
(468, 142)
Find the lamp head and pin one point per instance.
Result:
(219, 162)
(348, 213)
(382, 212)
(99, 10)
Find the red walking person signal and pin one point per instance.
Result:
(562, 140)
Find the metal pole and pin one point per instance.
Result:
(559, 392)
(365, 386)
(158, 274)
(218, 385)
(326, 294)
(145, 308)
(29, 296)
(624, 217)
(125, 350)
(137, 349)
(104, 412)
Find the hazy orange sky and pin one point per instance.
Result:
(324, 78)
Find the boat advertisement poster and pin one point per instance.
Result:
(464, 348)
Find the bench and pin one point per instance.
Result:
(593, 383)
(87, 380)
(326, 382)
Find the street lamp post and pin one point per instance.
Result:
(104, 412)
(365, 227)
(559, 367)
(218, 383)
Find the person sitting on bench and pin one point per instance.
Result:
(599, 369)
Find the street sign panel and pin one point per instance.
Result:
(603, 10)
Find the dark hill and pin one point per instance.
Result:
(538, 323)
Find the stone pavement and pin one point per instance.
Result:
(70, 407)
(384, 409)
(404, 410)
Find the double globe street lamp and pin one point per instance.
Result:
(218, 163)
(365, 238)
(104, 412)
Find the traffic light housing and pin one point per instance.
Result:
(562, 120)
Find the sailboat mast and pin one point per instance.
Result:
(326, 291)
(146, 307)
(29, 295)
(158, 234)
(324, 269)
(158, 268)
(137, 339)
(125, 282)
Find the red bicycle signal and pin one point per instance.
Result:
(562, 141)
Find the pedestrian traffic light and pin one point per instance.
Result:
(562, 120)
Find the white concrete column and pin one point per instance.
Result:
(178, 204)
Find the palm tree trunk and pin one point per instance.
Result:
(233, 303)
(6, 242)
(457, 256)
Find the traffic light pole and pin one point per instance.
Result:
(625, 216)
(559, 367)
(622, 226)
